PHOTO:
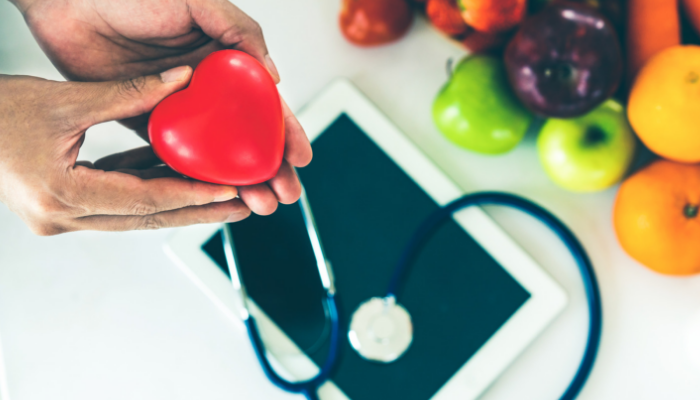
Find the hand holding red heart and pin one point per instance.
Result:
(103, 40)
(43, 128)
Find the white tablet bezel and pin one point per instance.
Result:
(547, 298)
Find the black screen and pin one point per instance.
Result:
(366, 208)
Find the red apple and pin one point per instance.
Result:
(375, 22)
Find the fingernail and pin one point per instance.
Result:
(273, 69)
(238, 215)
(176, 74)
(235, 217)
(230, 194)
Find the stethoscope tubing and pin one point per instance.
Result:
(310, 387)
(590, 282)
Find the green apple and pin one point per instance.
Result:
(477, 110)
(588, 153)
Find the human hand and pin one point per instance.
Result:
(101, 40)
(42, 126)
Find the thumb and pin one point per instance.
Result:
(226, 23)
(124, 99)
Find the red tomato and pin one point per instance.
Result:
(375, 22)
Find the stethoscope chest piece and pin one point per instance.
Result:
(381, 330)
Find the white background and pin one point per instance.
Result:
(95, 315)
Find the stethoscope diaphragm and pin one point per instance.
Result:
(381, 330)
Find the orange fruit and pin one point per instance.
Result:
(656, 217)
(493, 16)
(664, 104)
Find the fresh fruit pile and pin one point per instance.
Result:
(596, 77)
(560, 67)
(529, 62)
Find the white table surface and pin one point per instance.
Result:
(109, 316)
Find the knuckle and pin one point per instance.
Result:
(150, 222)
(131, 88)
(197, 196)
(142, 207)
(232, 36)
(241, 31)
(134, 93)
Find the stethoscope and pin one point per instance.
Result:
(381, 329)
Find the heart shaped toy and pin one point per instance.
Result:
(226, 127)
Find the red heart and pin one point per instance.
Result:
(226, 127)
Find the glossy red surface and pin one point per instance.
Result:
(227, 127)
(375, 22)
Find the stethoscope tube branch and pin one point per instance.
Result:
(310, 387)
(435, 220)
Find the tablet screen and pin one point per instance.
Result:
(366, 208)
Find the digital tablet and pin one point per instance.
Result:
(475, 297)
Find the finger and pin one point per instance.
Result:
(231, 27)
(286, 185)
(259, 198)
(107, 101)
(139, 158)
(297, 149)
(152, 173)
(115, 193)
(229, 211)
